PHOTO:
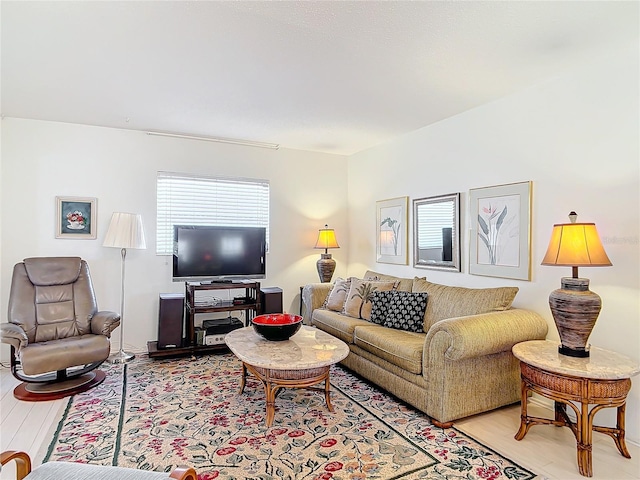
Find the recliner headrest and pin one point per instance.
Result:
(44, 271)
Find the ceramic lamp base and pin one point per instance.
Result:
(326, 266)
(575, 310)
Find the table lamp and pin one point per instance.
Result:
(574, 307)
(125, 231)
(326, 265)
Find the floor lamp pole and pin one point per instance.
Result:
(121, 356)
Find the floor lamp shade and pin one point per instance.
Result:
(326, 265)
(125, 231)
(574, 307)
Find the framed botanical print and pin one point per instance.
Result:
(392, 231)
(500, 234)
(76, 218)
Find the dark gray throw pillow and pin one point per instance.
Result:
(379, 303)
(405, 311)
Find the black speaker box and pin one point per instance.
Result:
(271, 300)
(170, 320)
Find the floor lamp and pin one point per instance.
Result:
(125, 231)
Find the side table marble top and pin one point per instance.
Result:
(307, 349)
(601, 364)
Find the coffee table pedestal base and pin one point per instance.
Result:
(273, 380)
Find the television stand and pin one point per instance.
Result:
(251, 307)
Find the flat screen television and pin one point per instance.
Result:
(208, 253)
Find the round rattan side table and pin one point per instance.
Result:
(586, 385)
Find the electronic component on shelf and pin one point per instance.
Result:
(243, 300)
(216, 329)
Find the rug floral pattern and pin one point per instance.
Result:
(188, 412)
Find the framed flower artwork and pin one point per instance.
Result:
(500, 234)
(391, 230)
(76, 218)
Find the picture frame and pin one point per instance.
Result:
(76, 218)
(500, 231)
(436, 232)
(392, 228)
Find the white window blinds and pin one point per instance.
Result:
(430, 226)
(184, 199)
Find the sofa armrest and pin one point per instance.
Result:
(14, 335)
(479, 335)
(313, 296)
(103, 323)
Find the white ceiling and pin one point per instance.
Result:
(332, 76)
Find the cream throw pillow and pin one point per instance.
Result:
(450, 302)
(338, 294)
(358, 304)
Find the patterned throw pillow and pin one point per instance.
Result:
(358, 304)
(379, 303)
(338, 294)
(405, 311)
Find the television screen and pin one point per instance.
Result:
(202, 253)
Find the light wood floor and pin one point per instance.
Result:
(549, 451)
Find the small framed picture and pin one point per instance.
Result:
(391, 231)
(76, 218)
(500, 236)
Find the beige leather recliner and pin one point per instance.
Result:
(56, 333)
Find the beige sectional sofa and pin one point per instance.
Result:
(458, 364)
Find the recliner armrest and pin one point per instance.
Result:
(484, 334)
(103, 323)
(14, 335)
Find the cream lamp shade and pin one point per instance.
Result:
(125, 231)
(326, 265)
(327, 238)
(574, 307)
(576, 245)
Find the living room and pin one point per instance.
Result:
(573, 134)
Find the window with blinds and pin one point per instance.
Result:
(184, 199)
(430, 227)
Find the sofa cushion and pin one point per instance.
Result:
(379, 303)
(337, 324)
(405, 311)
(358, 303)
(398, 347)
(404, 284)
(401, 310)
(338, 294)
(451, 302)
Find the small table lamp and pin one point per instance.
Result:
(574, 307)
(125, 231)
(326, 265)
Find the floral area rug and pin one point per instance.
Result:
(157, 414)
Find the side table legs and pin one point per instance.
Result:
(583, 427)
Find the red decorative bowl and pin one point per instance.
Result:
(277, 326)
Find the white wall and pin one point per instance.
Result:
(576, 137)
(42, 160)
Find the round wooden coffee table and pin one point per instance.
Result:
(300, 362)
